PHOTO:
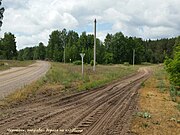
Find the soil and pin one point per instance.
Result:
(103, 111)
(164, 114)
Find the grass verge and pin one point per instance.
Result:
(64, 78)
(155, 98)
(6, 64)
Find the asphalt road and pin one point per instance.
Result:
(18, 77)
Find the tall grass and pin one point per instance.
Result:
(163, 84)
(162, 80)
(68, 74)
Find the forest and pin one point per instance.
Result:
(116, 48)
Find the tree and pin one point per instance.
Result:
(116, 48)
(57, 42)
(28, 53)
(8, 45)
(108, 42)
(1, 13)
(40, 52)
(71, 49)
(139, 49)
(119, 48)
(20, 54)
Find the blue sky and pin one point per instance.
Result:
(32, 21)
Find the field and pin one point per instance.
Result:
(158, 112)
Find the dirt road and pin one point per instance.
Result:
(15, 78)
(103, 111)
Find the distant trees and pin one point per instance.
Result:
(119, 49)
(55, 46)
(40, 52)
(116, 49)
(8, 47)
(157, 50)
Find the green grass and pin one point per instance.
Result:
(178, 106)
(6, 64)
(161, 76)
(164, 85)
(68, 74)
(67, 78)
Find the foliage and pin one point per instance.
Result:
(172, 65)
(116, 49)
(144, 114)
(1, 13)
(126, 63)
(92, 63)
(8, 47)
(40, 52)
(77, 62)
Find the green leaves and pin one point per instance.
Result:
(173, 65)
(8, 47)
(144, 114)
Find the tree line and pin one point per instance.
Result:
(116, 49)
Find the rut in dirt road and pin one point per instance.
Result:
(15, 78)
(103, 111)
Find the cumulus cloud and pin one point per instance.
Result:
(33, 20)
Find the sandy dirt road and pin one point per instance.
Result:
(102, 111)
(18, 77)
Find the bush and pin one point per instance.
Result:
(1, 63)
(92, 62)
(172, 65)
(146, 63)
(77, 62)
(126, 63)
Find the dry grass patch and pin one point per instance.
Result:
(6, 64)
(164, 113)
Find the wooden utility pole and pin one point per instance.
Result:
(133, 57)
(94, 67)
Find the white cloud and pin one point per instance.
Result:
(33, 20)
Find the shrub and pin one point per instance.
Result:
(77, 62)
(1, 63)
(146, 63)
(92, 62)
(172, 91)
(126, 63)
(172, 65)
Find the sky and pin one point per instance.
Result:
(32, 21)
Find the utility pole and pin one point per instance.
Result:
(94, 67)
(133, 57)
(64, 54)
